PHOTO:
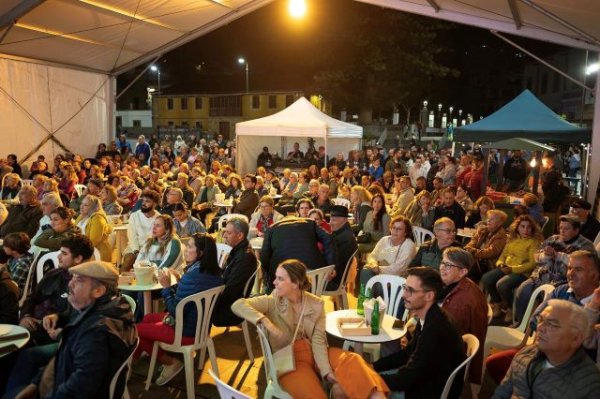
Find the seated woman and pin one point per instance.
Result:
(206, 198)
(61, 227)
(318, 216)
(487, 244)
(376, 225)
(534, 208)
(10, 189)
(94, 225)
(303, 207)
(463, 198)
(360, 203)
(185, 224)
(108, 195)
(513, 266)
(264, 217)
(290, 305)
(163, 247)
(201, 273)
(479, 214)
(393, 253)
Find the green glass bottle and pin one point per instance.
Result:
(360, 307)
(368, 294)
(375, 319)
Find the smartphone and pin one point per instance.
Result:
(398, 324)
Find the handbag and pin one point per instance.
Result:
(284, 358)
(364, 238)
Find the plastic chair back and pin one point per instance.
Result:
(392, 290)
(205, 302)
(53, 256)
(421, 235)
(226, 391)
(96, 254)
(115, 380)
(131, 302)
(273, 387)
(29, 281)
(472, 347)
(546, 289)
(223, 251)
(80, 189)
(341, 290)
(318, 279)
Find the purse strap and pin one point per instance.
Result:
(299, 320)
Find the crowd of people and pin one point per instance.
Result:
(366, 203)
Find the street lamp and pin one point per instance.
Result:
(243, 61)
(154, 68)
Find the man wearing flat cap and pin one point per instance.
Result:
(97, 335)
(589, 224)
(344, 242)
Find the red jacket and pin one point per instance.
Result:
(468, 307)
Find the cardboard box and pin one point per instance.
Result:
(350, 326)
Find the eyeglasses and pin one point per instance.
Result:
(410, 290)
(448, 265)
(549, 324)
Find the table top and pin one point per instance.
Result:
(120, 227)
(386, 332)
(13, 330)
(149, 287)
(466, 232)
(257, 243)
(222, 205)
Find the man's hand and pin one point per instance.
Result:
(30, 391)
(549, 251)
(49, 322)
(595, 301)
(30, 323)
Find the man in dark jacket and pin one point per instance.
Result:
(24, 217)
(344, 242)
(430, 252)
(248, 200)
(450, 208)
(240, 266)
(97, 335)
(436, 348)
(589, 224)
(294, 238)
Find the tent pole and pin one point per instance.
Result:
(594, 173)
(536, 171)
(137, 77)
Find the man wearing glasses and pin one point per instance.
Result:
(556, 366)
(436, 348)
(430, 252)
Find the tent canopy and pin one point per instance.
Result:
(301, 119)
(519, 143)
(524, 116)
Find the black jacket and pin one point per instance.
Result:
(22, 218)
(295, 238)
(49, 296)
(345, 245)
(240, 265)
(94, 344)
(9, 299)
(428, 360)
(454, 212)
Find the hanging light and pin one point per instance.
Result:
(297, 8)
(532, 163)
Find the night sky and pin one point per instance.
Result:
(285, 54)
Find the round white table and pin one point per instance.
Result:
(9, 330)
(229, 207)
(386, 332)
(147, 290)
(466, 232)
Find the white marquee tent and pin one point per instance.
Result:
(59, 58)
(279, 131)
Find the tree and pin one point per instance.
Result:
(382, 60)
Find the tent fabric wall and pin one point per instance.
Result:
(38, 100)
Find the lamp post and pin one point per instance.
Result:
(243, 61)
(154, 68)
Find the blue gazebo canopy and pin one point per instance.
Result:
(526, 117)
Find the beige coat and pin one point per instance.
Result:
(281, 314)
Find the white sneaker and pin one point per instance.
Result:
(168, 372)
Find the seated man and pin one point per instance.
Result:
(487, 244)
(590, 226)
(322, 201)
(295, 155)
(97, 335)
(436, 349)
(173, 195)
(344, 242)
(430, 252)
(25, 216)
(465, 302)
(556, 366)
(140, 227)
(450, 208)
(552, 260)
(248, 200)
(240, 265)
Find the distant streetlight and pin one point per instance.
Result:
(297, 8)
(154, 68)
(243, 61)
(592, 68)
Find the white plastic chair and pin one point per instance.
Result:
(28, 282)
(421, 235)
(318, 279)
(342, 202)
(226, 391)
(341, 293)
(501, 338)
(392, 290)
(131, 302)
(223, 251)
(472, 347)
(205, 302)
(80, 189)
(273, 388)
(115, 379)
(96, 254)
(53, 256)
(546, 220)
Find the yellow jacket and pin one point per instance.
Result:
(519, 255)
(97, 230)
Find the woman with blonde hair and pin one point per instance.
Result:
(360, 204)
(108, 195)
(163, 247)
(479, 213)
(93, 223)
(66, 186)
(291, 315)
(514, 265)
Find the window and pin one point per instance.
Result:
(137, 123)
(289, 100)
(198, 102)
(272, 101)
(184, 103)
(169, 103)
(225, 106)
(171, 123)
(198, 125)
(255, 102)
(184, 124)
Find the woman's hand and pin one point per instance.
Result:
(164, 278)
(331, 378)
(506, 269)
(271, 328)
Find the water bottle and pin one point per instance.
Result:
(360, 307)
(375, 319)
